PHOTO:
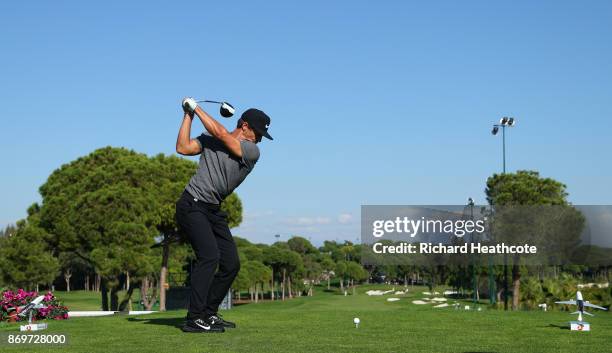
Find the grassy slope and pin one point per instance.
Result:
(324, 324)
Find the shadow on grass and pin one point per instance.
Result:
(164, 321)
(562, 327)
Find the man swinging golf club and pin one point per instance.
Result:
(226, 158)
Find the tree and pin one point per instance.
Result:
(301, 245)
(272, 256)
(283, 262)
(173, 173)
(292, 267)
(242, 243)
(257, 275)
(233, 207)
(348, 251)
(328, 266)
(355, 272)
(109, 206)
(25, 259)
(523, 188)
(242, 281)
(341, 272)
(8, 231)
(312, 271)
(101, 207)
(253, 253)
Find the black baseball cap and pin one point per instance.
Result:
(258, 121)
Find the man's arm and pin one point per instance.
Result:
(220, 132)
(184, 144)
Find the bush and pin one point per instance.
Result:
(531, 293)
(12, 301)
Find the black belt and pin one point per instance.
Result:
(210, 206)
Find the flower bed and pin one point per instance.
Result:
(12, 301)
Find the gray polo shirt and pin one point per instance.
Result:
(219, 172)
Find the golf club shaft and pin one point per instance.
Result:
(207, 101)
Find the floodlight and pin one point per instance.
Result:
(511, 122)
(503, 120)
(495, 130)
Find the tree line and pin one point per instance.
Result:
(101, 214)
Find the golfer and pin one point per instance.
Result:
(226, 158)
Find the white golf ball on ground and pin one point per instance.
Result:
(356, 321)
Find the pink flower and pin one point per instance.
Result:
(8, 295)
(43, 311)
(48, 297)
(10, 300)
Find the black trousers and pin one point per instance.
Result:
(205, 226)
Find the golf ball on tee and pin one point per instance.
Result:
(356, 320)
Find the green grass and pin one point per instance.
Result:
(324, 323)
(83, 301)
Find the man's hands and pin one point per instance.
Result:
(187, 146)
(184, 144)
(189, 105)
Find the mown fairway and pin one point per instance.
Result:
(324, 323)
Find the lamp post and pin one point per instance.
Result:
(503, 123)
(474, 278)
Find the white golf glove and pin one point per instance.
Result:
(189, 104)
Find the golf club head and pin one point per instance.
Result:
(226, 110)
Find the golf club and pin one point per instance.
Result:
(226, 109)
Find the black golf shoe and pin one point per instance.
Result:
(203, 326)
(216, 320)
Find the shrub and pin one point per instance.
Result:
(11, 303)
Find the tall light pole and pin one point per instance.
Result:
(470, 204)
(503, 123)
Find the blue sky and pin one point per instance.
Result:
(371, 102)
